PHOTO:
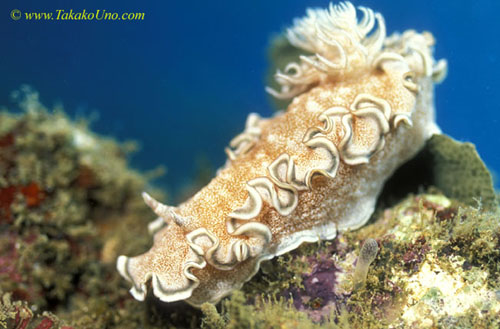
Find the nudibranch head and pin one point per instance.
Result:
(362, 105)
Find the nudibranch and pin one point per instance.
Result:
(362, 105)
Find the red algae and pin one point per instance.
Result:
(33, 194)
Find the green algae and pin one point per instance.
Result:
(211, 317)
(17, 314)
(424, 238)
(271, 313)
(459, 172)
(68, 204)
(451, 167)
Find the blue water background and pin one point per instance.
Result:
(182, 81)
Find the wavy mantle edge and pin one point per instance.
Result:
(323, 231)
(243, 142)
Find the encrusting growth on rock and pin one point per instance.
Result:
(362, 106)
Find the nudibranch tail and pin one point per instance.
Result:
(363, 105)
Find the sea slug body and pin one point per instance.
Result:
(362, 105)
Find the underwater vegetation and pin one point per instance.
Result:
(62, 189)
(69, 207)
(70, 204)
